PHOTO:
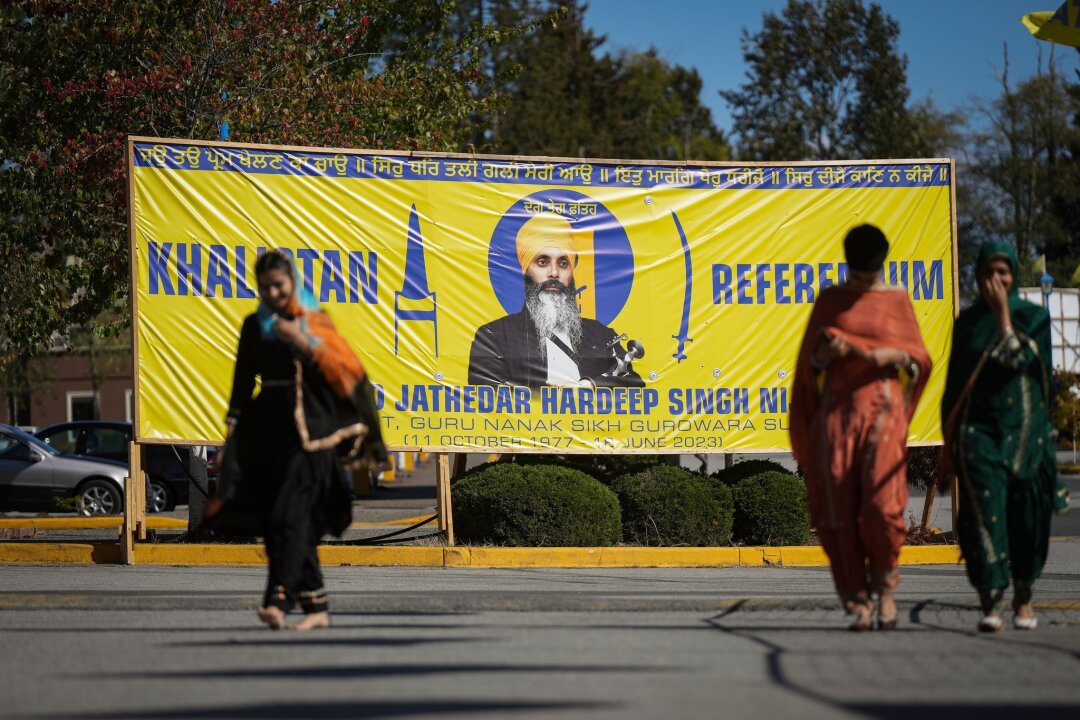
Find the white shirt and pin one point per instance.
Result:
(561, 368)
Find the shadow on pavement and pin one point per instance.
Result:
(347, 710)
(287, 639)
(965, 711)
(901, 709)
(1027, 640)
(340, 672)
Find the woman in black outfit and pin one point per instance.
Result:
(290, 437)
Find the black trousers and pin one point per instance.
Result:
(292, 550)
(292, 532)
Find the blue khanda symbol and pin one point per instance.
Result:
(418, 299)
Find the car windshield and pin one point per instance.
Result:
(31, 440)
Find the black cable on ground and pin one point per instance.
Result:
(378, 538)
(414, 537)
(204, 535)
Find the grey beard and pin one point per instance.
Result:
(554, 313)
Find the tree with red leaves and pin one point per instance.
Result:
(76, 76)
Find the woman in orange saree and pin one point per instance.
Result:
(861, 370)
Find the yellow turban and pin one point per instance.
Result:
(545, 230)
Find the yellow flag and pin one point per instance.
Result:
(1059, 27)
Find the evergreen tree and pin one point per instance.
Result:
(655, 112)
(558, 92)
(1025, 172)
(825, 82)
(565, 100)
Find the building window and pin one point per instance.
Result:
(82, 405)
(128, 408)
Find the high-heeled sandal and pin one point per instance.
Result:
(887, 622)
(864, 618)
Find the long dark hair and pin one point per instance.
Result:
(273, 260)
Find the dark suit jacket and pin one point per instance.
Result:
(507, 352)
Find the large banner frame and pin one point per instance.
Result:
(419, 258)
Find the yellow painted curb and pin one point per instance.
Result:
(929, 554)
(329, 555)
(59, 553)
(603, 557)
(751, 557)
(461, 557)
(803, 556)
(86, 523)
(153, 554)
(382, 556)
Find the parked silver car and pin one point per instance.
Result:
(36, 476)
(104, 439)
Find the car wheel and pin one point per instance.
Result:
(98, 497)
(159, 498)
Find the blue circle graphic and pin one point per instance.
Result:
(613, 257)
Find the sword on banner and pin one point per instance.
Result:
(684, 326)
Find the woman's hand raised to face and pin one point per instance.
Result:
(288, 331)
(996, 294)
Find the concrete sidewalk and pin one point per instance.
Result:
(175, 643)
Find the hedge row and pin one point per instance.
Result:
(753, 503)
(533, 506)
(665, 505)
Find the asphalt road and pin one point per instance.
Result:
(158, 642)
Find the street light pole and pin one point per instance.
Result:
(1046, 282)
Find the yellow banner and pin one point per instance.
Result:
(514, 305)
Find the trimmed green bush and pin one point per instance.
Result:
(771, 509)
(665, 505)
(732, 475)
(535, 505)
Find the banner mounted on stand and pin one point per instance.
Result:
(525, 304)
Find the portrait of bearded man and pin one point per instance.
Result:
(548, 342)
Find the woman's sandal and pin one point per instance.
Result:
(887, 622)
(864, 618)
(1025, 623)
(991, 624)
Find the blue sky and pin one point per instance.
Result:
(954, 47)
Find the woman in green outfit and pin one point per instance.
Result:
(996, 418)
